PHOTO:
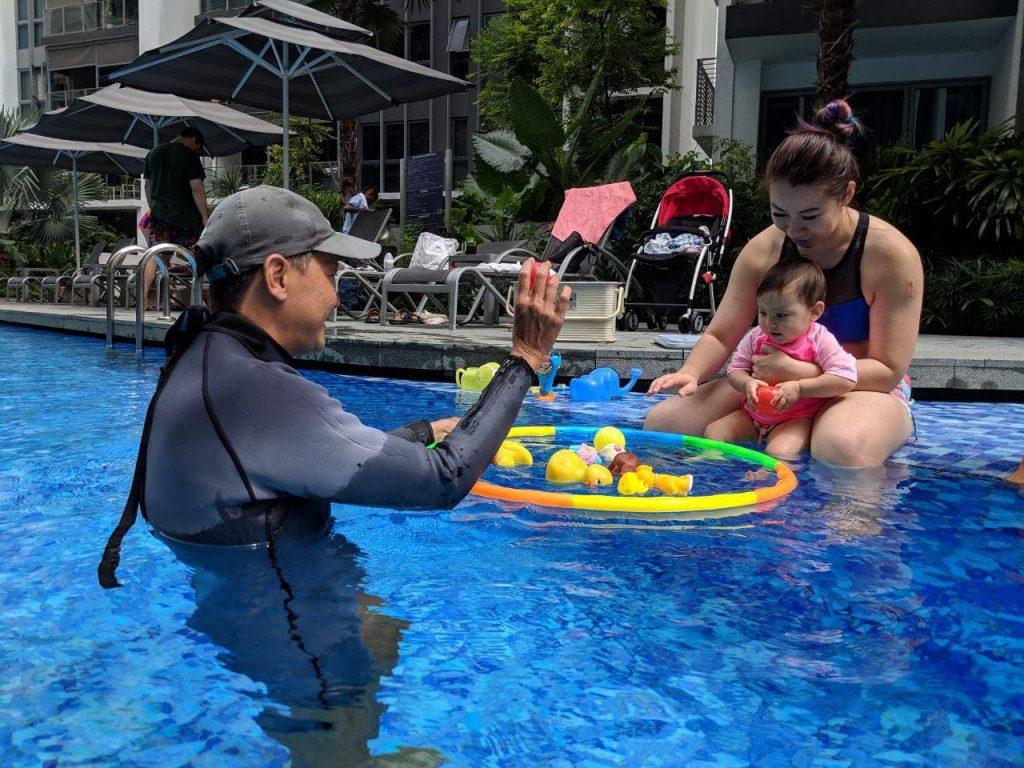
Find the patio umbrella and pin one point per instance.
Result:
(141, 118)
(28, 149)
(284, 67)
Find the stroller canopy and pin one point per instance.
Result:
(694, 196)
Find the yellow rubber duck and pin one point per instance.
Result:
(631, 485)
(565, 466)
(598, 475)
(512, 454)
(646, 474)
(671, 485)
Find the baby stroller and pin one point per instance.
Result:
(686, 242)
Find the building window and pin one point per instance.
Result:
(370, 168)
(419, 42)
(394, 151)
(489, 17)
(419, 137)
(905, 113)
(37, 33)
(460, 148)
(24, 85)
(458, 35)
(40, 8)
(22, 36)
(22, 10)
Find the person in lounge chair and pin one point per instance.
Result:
(238, 448)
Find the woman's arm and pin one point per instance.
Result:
(893, 282)
(734, 317)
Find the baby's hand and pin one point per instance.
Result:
(786, 393)
(751, 392)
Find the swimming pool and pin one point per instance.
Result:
(871, 619)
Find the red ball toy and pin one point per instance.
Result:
(764, 400)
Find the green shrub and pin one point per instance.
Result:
(977, 297)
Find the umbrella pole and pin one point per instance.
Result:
(284, 114)
(74, 195)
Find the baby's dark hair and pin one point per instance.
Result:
(800, 277)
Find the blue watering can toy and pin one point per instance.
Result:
(601, 385)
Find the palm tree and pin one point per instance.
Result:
(835, 53)
(387, 27)
(18, 186)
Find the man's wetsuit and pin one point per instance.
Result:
(238, 446)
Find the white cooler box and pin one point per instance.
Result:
(592, 312)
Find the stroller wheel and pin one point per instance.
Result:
(694, 323)
(630, 320)
(657, 322)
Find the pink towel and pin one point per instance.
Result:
(591, 210)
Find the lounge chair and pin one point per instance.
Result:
(55, 282)
(577, 244)
(362, 266)
(92, 281)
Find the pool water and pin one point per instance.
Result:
(870, 619)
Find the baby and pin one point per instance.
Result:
(790, 299)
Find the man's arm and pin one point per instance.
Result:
(199, 195)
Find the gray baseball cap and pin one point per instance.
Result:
(248, 226)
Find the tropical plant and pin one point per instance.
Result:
(545, 154)
(305, 146)
(227, 182)
(836, 21)
(558, 44)
(18, 186)
(49, 220)
(976, 296)
(961, 189)
(328, 202)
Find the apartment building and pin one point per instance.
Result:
(920, 67)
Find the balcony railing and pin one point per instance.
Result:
(61, 99)
(705, 92)
(91, 16)
(126, 188)
(207, 7)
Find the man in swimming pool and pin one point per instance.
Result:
(239, 448)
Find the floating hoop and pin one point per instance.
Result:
(784, 485)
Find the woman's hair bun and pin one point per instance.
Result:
(835, 118)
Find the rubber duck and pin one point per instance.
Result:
(565, 466)
(672, 485)
(631, 485)
(646, 474)
(598, 475)
(609, 436)
(513, 454)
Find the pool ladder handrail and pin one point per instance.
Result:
(163, 285)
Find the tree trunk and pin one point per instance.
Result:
(348, 158)
(835, 53)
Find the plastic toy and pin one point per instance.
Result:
(624, 462)
(598, 475)
(785, 480)
(513, 454)
(601, 385)
(564, 467)
(475, 379)
(631, 485)
(588, 453)
(546, 377)
(670, 485)
(609, 452)
(764, 400)
(608, 436)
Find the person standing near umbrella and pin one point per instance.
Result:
(177, 198)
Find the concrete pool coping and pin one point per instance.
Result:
(956, 363)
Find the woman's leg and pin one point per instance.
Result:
(789, 439)
(860, 429)
(736, 427)
(691, 415)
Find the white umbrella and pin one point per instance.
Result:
(29, 149)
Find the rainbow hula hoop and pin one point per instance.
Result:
(784, 485)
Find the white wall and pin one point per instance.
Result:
(694, 25)
(161, 21)
(746, 101)
(9, 53)
(1006, 80)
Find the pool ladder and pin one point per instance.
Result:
(137, 258)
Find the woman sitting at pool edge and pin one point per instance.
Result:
(873, 306)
